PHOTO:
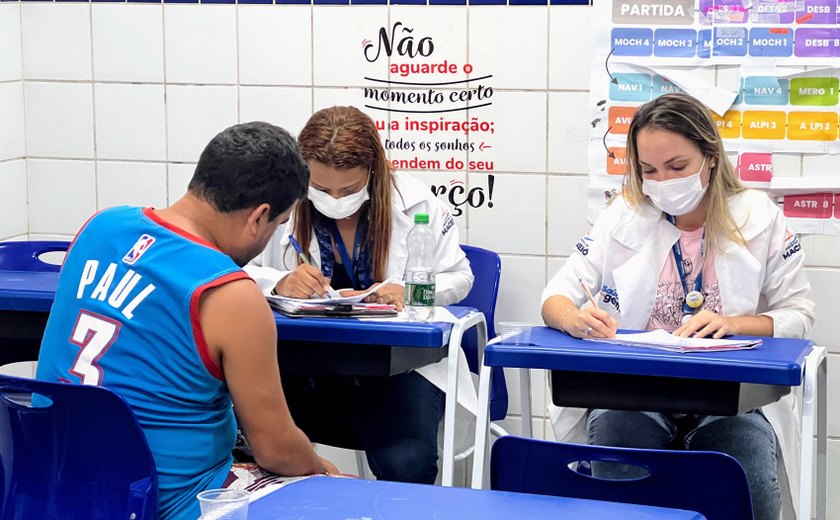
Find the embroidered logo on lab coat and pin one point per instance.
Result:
(792, 245)
(583, 245)
(448, 222)
(610, 296)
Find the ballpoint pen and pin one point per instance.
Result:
(301, 254)
(332, 293)
(585, 289)
(588, 292)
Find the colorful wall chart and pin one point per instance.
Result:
(787, 101)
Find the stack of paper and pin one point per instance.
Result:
(330, 307)
(664, 340)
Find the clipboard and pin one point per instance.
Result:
(341, 310)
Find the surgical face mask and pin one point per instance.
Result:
(676, 196)
(338, 208)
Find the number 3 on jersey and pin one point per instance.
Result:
(94, 334)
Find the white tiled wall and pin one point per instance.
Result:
(288, 107)
(13, 198)
(130, 121)
(194, 115)
(11, 66)
(130, 183)
(335, 53)
(127, 42)
(512, 45)
(59, 119)
(200, 44)
(107, 104)
(62, 195)
(56, 41)
(13, 194)
(13, 141)
(274, 45)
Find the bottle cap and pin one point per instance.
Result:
(421, 218)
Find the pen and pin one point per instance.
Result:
(301, 254)
(588, 292)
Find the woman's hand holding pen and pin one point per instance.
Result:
(303, 282)
(590, 322)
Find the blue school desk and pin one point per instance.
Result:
(25, 301)
(589, 374)
(326, 498)
(305, 345)
(379, 347)
(27, 291)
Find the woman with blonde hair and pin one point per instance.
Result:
(353, 228)
(688, 249)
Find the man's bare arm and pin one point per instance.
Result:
(241, 336)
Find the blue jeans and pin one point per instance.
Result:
(747, 437)
(394, 419)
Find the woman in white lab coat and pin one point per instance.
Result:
(353, 227)
(687, 248)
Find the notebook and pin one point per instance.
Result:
(277, 299)
(664, 340)
(304, 308)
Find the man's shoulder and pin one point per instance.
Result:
(234, 295)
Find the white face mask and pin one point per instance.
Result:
(338, 208)
(676, 196)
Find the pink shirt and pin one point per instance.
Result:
(667, 307)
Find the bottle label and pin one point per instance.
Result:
(420, 294)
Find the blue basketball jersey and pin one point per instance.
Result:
(126, 317)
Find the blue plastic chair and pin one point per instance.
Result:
(711, 483)
(72, 452)
(487, 269)
(23, 256)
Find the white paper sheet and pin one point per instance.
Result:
(664, 340)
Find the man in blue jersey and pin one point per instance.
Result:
(153, 305)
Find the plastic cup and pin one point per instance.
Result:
(223, 504)
(515, 332)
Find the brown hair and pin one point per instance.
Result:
(685, 116)
(343, 138)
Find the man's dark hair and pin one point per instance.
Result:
(250, 164)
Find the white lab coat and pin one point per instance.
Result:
(453, 279)
(624, 253)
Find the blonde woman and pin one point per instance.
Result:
(353, 227)
(688, 249)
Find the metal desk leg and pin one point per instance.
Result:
(525, 399)
(482, 426)
(813, 388)
(474, 319)
(822, 439)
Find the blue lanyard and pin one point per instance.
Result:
(342, 251)
(678, 258)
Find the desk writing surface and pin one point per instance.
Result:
(325, 498)
(777, 361)
(35, 291)
(360, 347)
(26, 298)
(367, 331)
(27, 290)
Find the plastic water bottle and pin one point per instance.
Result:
(420, 271)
